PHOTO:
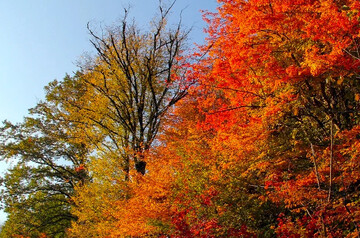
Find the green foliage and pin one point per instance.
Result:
(37, 190)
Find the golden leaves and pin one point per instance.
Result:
(357, 97)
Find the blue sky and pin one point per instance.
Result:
(41, 40)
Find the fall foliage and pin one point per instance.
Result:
(259, 136)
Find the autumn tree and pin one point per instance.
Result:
(287, 72)
(47, 163)
(135, 78)
(131, 83)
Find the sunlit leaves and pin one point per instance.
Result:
(265, 144)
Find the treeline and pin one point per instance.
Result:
(255, 134)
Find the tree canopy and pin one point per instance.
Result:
(253, 134)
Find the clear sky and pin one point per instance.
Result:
(41, 40)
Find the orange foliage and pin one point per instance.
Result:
(267, 142)
(279, 76)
